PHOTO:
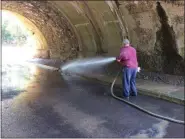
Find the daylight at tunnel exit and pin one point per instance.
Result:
(98, 69)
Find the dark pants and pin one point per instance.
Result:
(129, 81)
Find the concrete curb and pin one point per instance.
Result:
(140, 90)
(145, 92)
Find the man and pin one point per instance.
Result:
(128, 59)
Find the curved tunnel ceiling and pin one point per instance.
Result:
(89, 28)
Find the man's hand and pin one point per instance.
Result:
(118, 60)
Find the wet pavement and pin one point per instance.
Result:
(43, 103)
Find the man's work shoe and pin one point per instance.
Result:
(133, 95)
(126, 98)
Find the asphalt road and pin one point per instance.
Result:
(42, 103)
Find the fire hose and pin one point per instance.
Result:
(140, 108)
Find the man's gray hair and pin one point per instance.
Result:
(126, 41)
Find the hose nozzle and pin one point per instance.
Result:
(138, 69)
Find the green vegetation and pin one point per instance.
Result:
(13, 33)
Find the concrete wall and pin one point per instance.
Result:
(90, 28)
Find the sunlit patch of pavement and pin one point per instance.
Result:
(157, 130)
(15, 78)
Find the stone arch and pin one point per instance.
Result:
(41, 42)
(61, 40)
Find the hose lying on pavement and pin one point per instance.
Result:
(140, 108)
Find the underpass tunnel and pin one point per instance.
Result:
(39, 99)
(71, 29)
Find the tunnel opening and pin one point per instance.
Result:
(168, 49)
(21, 40)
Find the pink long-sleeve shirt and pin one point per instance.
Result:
(128, 57)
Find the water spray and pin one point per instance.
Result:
(102, 61)
(88, 62)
